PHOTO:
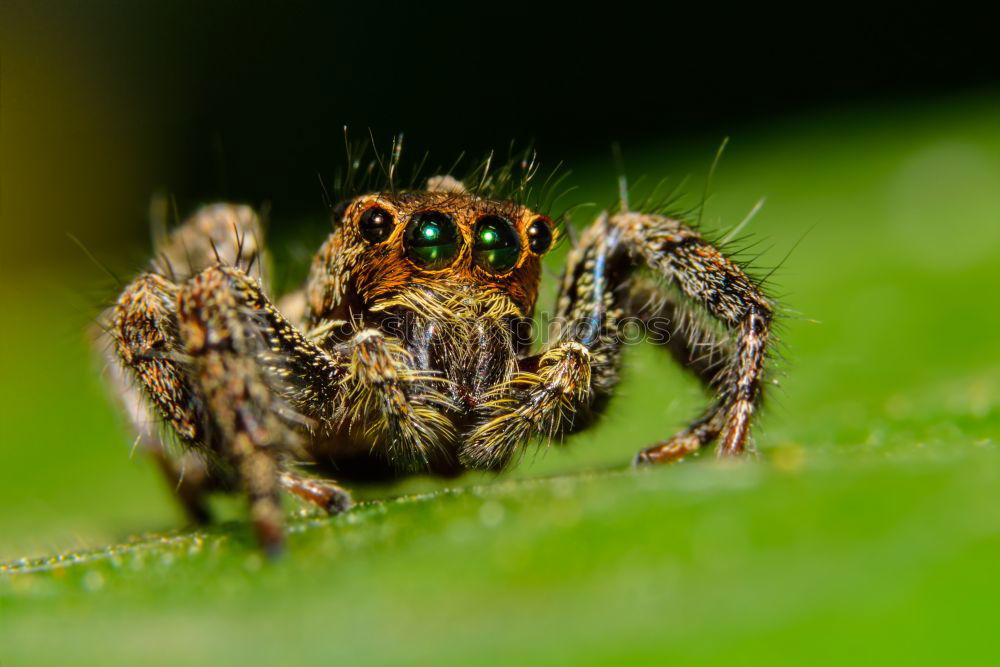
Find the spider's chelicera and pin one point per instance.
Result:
(405, 350)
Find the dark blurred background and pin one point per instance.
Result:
(105, 103)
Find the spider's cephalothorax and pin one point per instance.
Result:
(408, 349)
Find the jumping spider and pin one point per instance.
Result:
(404, 350)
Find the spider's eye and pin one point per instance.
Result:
(539, 236)
(497, 246)
(431, 239)
(376, 224)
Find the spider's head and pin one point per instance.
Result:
(445, 249)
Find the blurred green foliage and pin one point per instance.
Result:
(869, 528)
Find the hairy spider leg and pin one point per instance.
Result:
(560, 389)
(707, 279)
(228, 375)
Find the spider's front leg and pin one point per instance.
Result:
(708, 279)
(215, 312)
(140, 342)
(232, 378)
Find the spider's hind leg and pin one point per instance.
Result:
(228, 234)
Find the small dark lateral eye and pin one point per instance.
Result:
(497, 246)
(431, 240)
(539, 236)
(376, 224)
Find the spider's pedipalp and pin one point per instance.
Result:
(393, 404)
(546, 401)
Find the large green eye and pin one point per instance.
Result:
(497, 246)
(431, 239)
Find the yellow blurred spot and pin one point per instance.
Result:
(789, 459)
